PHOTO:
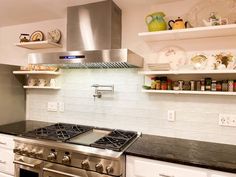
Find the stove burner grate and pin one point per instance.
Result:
(117, 140)
(58, 132)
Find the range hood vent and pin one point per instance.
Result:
(93, 40)
(114, 58)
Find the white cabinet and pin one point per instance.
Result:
(140, 167)
(6, 161)
(6, 142)
(7, 156)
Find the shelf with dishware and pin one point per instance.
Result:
(37, 72)
(187, 72)
(38, 45)
(39, 79)
(41, 87)
(190, 33)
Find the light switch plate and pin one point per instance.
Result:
(171, 115)
(227, 120)
(52, 106)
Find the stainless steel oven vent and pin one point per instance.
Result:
(114, 58)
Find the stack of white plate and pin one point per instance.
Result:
(159, 66)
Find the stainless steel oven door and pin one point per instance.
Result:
(28, 167)
(55, 170)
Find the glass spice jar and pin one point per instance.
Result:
(230, 85)
(186, 85)
(158, 85)
(213, 85)
(198, 85)
(153, 83)
(218, 86)
(202, 84)
(169, 84)
(181, 84)
(176, 85)
(224, 85)
(208, 84)
(192, 83)
(234, 85)
(163, 83)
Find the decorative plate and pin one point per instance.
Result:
(201, 11)
(37, 36)
(54, 36)
(173, 55)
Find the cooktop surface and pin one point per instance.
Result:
(115, 140)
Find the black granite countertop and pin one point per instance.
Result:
(18, 128)
(187, 152)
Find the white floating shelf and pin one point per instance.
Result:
(189, 92)
(41, 87)
(190, 33)
(37, 72)
(38, 45)
(183, 72)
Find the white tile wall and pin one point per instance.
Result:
(128, 108)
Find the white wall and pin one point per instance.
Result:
(128, 108)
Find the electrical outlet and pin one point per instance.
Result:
(171, 115)
(52, 106)
(61, 106)
(227, 120)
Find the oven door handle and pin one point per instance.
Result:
(60, 172)
(21, 162)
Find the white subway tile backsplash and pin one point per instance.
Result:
(129, 108)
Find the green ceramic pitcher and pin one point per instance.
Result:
(156, 22)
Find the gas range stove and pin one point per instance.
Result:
(115, 140)
(73, 150)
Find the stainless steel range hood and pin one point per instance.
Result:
(114, 58)
(93, 40)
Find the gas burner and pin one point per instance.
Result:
(41, 132)
(116, 140)
(122, 134)
(80, 129)
(59, 126)
(62, 134)
(112, 143)
(58, 132)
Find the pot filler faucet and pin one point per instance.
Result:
(99, 89)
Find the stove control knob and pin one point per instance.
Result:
(66, 159)
(24, 152)
(109, 169)
(52, 156)
(85, 164)
(99, 167)
(39, 154)
(32, 154)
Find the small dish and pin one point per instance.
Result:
(173, 55)
(37, 36)
(54, 36)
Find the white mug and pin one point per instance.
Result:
(42, 82)
(52, 83)
(32, 82)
